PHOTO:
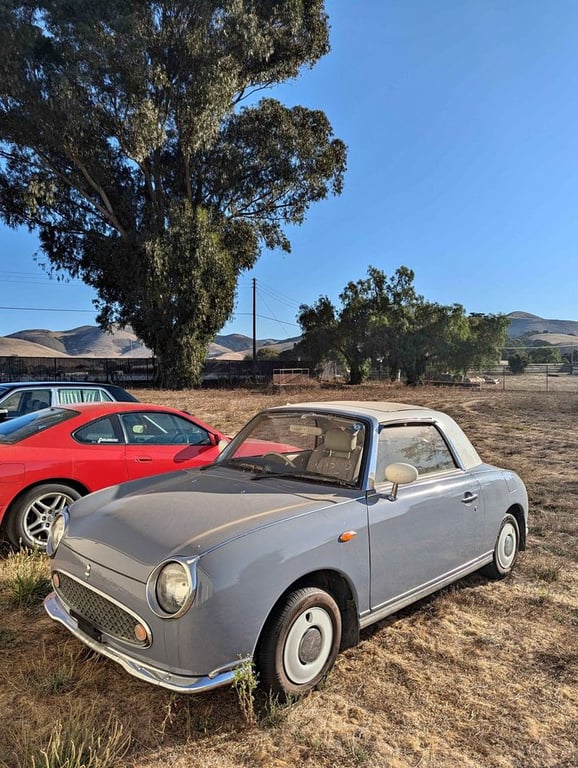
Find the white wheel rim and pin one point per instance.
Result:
(507, 545)
(308, 645)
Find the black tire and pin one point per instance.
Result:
(505, 550)
(32, 515)
(300, 643)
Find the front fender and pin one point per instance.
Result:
(241, 582)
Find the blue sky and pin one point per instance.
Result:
(461, 120)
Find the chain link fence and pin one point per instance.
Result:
(140, 372)
(225, 373)
(538, 377)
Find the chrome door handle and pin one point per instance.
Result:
(469, 497)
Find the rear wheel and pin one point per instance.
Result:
(301, 643)
(505, 550)
(32, 515)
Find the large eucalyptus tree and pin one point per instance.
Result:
(133, 142)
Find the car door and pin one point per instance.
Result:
(100, 453)
(432, 529)
(26, 400)
(162, 442)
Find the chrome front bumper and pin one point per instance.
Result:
(160, 677)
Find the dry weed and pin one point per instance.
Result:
(78, 740)
(26, 578)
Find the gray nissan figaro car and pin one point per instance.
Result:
(316, 520)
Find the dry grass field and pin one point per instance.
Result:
(481, 675)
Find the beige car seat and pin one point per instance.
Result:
(339, 455)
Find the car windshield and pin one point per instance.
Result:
(15, 430)
(304, 445)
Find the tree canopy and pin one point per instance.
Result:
(384, 320)
(132, 141)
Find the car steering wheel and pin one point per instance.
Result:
(285, 459)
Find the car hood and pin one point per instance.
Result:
(131, 527)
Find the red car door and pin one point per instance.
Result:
(100, 454)
(162, 442)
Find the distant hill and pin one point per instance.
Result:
(522, 323)
(86, 341)
(91, 341)
(561, 333)
(235, 346)
(18, 347)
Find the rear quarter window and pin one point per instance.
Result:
(82, 395)
(18, 429)
(103, 431)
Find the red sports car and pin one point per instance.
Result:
(51, 457)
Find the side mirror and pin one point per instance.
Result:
(399, 474)
(222, 444)
(3, 413)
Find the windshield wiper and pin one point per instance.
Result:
(310, 477)
(242, 466)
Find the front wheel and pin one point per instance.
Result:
(301, 643)
(32, 515)
(505, 550)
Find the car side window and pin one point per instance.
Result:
(420, 445)
(162, 429)
(26, 401)
(70, 395)
(99, 432)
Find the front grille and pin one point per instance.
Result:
(99, 611)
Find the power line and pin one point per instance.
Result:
(268, 307)
(272, 292)
(264, 292)
(46, 309)
(262, 317)
(33, 277)
(279, 297)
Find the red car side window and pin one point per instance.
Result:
(99, 432)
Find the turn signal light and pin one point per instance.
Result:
(140, 633)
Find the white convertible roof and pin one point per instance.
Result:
(379, 409)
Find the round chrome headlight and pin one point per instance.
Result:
(174, 588)
(56, 532)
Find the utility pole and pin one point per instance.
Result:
(254, 329)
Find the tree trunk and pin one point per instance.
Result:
(358, 370)
(180, 364)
